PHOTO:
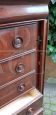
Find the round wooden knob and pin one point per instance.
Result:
(30, 111)
(20, 68)
(21, 87)
(17, 43)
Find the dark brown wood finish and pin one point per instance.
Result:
(11, 91)
(18, 39)
(25, 2)
(36, 113)
(23, 38)
(28, 103)
(33, 108)
(43, 32)
(17, 68)
(22, 13)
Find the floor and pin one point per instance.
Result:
(50, 97)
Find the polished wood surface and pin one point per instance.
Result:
(23, 103)
(24, 34)
(23, 39)
(40, 49)
(33, 108)
(23, 12)
(14, 89)
(17, 68)
(39, 112)
(43, 32)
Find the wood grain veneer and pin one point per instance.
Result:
(17, 68)
(22, 13)
(25, 34)
(10, 92)
(23, 39)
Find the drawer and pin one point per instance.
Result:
(14, 89)
(29, 103)
(39, 112)
(17, 68)
(17, 39)
(30, 112)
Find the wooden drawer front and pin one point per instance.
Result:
(13, 90)
(30, 103)
(24, 113)
(39, 112)
(33, 108)
(17, 39)
(17, 68)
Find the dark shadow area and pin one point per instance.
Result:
(21, 2)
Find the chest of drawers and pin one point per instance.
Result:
(23, 36)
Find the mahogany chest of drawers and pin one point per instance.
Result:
(23, 38)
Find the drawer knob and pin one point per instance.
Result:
(20, 68)
(21, 87)
(30, 111)
(17, 43)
